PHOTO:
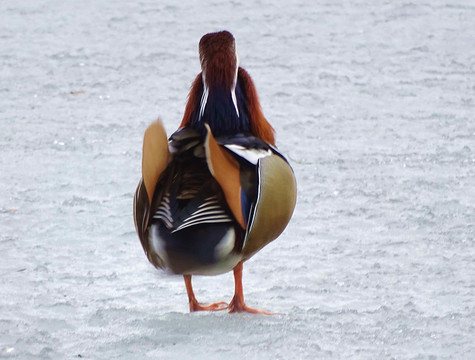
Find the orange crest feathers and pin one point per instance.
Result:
(193, 99)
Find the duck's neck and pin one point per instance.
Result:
(223, 109)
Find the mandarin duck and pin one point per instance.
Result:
(218, 190)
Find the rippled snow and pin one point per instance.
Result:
(374, 104)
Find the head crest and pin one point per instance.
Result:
(218, 59)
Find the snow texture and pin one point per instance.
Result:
(372, 101)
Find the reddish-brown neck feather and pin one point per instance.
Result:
(260, 127)
(193, 99)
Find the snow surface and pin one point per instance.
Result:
(372, 101)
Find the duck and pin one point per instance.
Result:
(217, 190)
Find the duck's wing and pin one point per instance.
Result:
(226, 170)
(258, 183)
(141, 213)
(155, 157)
(275, 203)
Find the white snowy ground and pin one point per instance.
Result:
(372, 101)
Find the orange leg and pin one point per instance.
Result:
(237, 303)
(195, 305)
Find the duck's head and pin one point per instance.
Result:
(219, 60)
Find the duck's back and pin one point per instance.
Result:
(192, 229)
(210, 203)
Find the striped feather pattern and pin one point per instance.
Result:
(192, 204)
(210, 211)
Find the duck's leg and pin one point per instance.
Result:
(195, 305)
(237, 303)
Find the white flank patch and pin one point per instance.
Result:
(251, 155)
(226, 245)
